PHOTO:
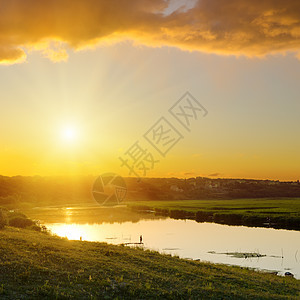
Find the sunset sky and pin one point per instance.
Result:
(82, 80)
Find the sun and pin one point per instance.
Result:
(69, 134)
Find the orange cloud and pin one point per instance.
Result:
(238, 27)
(9, 55)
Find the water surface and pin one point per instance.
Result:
(185, 238)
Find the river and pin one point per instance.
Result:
(259, 248)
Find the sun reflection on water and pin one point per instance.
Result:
(69, 214)
(85, 232)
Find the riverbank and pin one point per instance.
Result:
(36, 265)
(275, 213)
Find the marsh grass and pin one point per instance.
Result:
(277, 213)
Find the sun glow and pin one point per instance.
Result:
(69, 134)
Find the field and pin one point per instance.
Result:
(36, 265)
(278, 213)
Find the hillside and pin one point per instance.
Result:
(36, 265)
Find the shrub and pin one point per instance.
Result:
(20, 222)
(161, 211)
(202, 216)
(231, 219)
(35, 227)
(181, 214)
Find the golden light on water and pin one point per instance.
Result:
(86, 232)
(116, 233)
(72, 232)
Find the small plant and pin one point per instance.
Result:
(24, 276)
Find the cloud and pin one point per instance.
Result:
(189, 173)
(237, 27)
(214, 175)
(55, 51)
(9, 55)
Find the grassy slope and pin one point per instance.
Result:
(41, 266)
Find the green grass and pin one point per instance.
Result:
(288, 205)
(283, 213)
(35, 265)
